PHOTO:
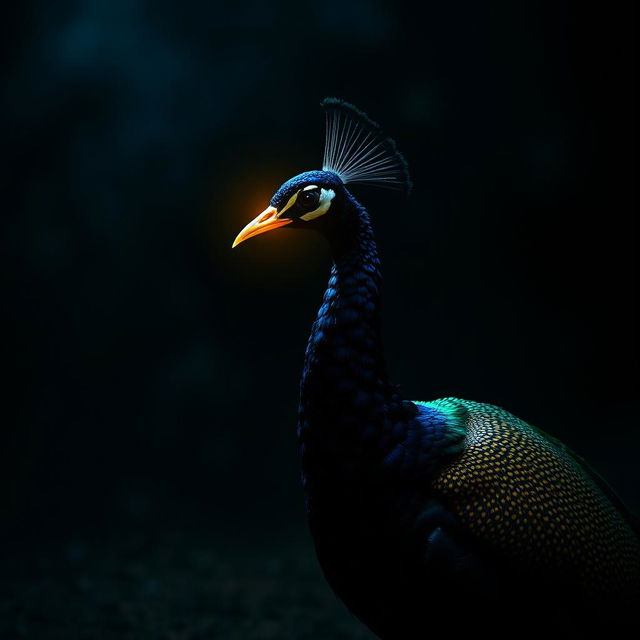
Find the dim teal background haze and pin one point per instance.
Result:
(151, 373)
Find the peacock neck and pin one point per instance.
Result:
(345, 390)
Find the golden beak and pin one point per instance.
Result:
(266, 221)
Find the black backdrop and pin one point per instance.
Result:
(151, 372)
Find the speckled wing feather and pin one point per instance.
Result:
(527, 498)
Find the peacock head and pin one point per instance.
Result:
(356, 152)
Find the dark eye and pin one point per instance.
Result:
(309, 199)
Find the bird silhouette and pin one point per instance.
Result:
(443, 514)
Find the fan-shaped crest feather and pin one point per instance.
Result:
(358, 151)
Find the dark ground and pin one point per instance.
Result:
(171, 587)
(149, 480)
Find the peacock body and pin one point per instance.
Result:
(422, 510)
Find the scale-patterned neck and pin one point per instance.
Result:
(344, 378)
(345, 394)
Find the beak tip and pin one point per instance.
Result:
(239, 238)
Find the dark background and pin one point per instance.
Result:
(149, 466)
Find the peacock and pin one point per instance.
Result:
(442, 511)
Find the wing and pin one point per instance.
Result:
(529, 501)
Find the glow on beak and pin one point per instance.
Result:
(266, 221)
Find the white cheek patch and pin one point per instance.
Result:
(326, 196)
